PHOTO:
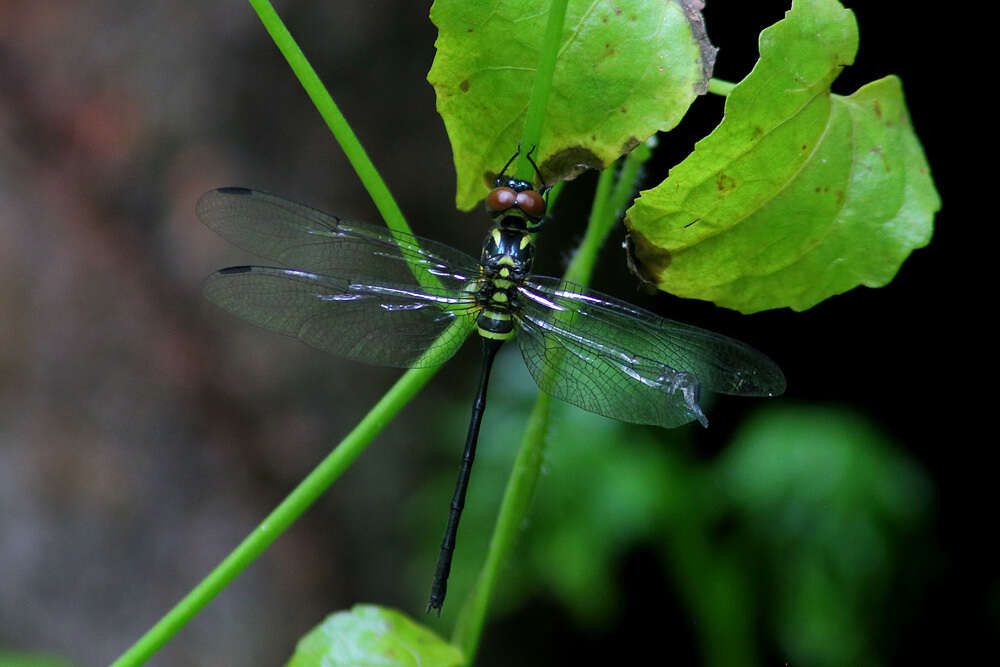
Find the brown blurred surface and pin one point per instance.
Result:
(142, 433)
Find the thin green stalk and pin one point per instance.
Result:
(628, 177)
(720, 87)
(513, 509)
(598, 226)
(335, 120)
(554, 193)
(534, 118)
(353, 150)
(342, 132)
(609, 200)
(528, 464)
(300, 499)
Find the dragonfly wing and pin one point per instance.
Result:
(305, 238)
(399, 325)
(610, 357)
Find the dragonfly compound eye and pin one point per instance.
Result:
(531, 203)
(501, 199)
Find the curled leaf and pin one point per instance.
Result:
(798, 194)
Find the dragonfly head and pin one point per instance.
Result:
(516, 198)
(514, 203)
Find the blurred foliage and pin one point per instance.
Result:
(790, 541)
(30, 660)
(827, 507)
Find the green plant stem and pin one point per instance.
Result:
(554, 193)
(720, 87)
(342, 132)
(281, 518)
(598, 227)
(534, 117)
(513, 509)
(628, 177)
(528, 464)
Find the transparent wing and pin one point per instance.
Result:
(621, 361)
(307, 239)
(380, 323)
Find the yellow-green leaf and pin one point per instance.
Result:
(798, 194)
(369, 635)
(625, 69)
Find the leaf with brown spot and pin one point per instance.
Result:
(799, 194)
(615, 78)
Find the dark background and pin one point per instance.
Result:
(143, 434)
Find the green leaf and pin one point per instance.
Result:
(371, 635)
(624, 71)
(798, 194)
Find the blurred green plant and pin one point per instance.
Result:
(9, 659)
(803, 521)
(831, 508)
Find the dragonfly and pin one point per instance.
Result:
(383, 297)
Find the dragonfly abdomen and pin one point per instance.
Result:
(495, 324)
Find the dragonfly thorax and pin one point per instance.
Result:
(506, 259)
(507, 253)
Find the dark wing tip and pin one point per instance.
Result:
(209, 200)
(762, 378)
(244, 192)
(234, 269)
(775, 383)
